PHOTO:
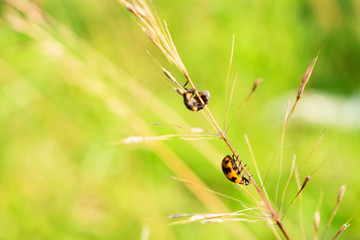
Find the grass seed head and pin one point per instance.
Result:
(316, 221)
(306, 181)
(257, 83)
(306, 77)
(341, 192)
(342, 228)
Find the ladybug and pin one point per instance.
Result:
(192, 102)
(232, 171)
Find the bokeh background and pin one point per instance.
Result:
(75, 77)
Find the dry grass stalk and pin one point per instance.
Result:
(217, 217)
(256, 166)
(158, 34)
(141, 139)
(312, 150)
(310, 176)
(307, 179)
(287, 184)
(269, 168)
(255, 86)
(338, 200)
(300, 187)
(245, 205)
(230, 100)
(257, 212)
(227, 106)
(281, 153)
(305, 182)
(196, 133)
(303, 83)
(191, 130)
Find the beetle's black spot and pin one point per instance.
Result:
(226, 170)
(233, 179)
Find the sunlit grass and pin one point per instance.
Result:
(66, 93)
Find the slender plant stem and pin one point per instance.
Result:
(268, 205)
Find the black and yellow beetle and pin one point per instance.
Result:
(192, 102)
(232, 171)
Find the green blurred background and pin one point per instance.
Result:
(75, 76)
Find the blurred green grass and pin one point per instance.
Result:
(80, 79)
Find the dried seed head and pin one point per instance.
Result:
(216, 220)
(316, 221)
(133, 139)
(131, 7)
(306, 77)
(257, 83)
(171, 77)
(139, 139)
(307, 179)
(341, 192)
(179, 215)
(342, 228)
(196, 130)
(139, 10)
(150, 35)
(168, 74)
